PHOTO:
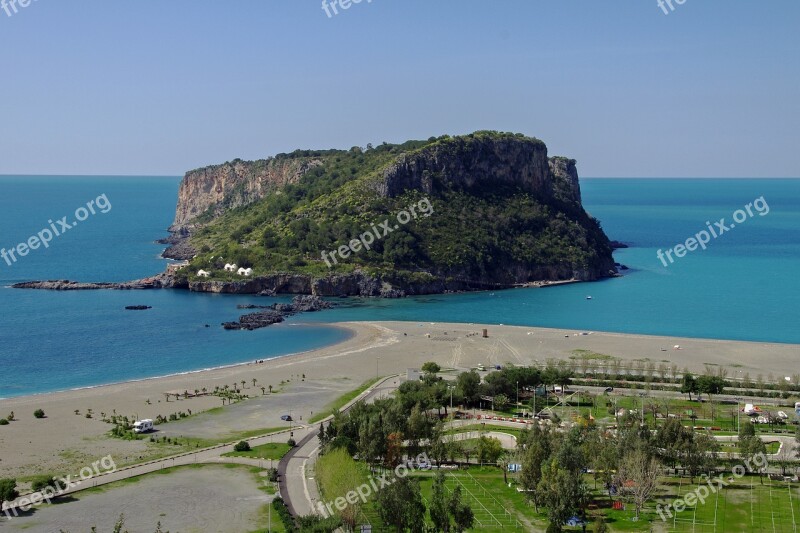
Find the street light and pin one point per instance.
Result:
(738, 412)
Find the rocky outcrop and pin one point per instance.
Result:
(565, 178)
(277, 313)
(179, 246)
(467, 162)
(161, 281)
(215, 189)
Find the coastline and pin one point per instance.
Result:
(350, 335)
(307, 382)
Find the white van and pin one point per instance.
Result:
(143, 426)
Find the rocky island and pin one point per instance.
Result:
(502, 214)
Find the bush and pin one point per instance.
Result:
(38, 413)
(283, 512)
(3, 422)
(242, 446)
(291, 443)
(272, 474)
(40, 483)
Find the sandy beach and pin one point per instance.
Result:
(63, 440)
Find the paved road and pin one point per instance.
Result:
(297, 489)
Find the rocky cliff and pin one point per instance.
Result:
(212, 190)
(468, 163)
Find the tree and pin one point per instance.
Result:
(440, 513)
(400, 505)
(431, 368)
(750, 445)
(699, 453)
(638, 477)
(689, 384)
(554, 487)
(468, 386)
(462, 514)
(501, 402)
(538, 446)
(489, 449)
(242, 446)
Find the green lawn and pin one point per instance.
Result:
(271, 450)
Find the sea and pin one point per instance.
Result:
(744, 285)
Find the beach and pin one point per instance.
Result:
(308, 382)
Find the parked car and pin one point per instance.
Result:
(609, 389)
(286, 418)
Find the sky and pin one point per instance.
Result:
(709, 89)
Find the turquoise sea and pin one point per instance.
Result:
(744, 286)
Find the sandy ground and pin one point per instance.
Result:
(64, 442)
(207, 499)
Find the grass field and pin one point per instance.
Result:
(271, 450)
(745, 505)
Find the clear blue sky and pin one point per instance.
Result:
(160, 87)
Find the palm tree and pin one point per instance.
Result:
(263, 391)
(270, 389)
(254, 382)
(243, 382)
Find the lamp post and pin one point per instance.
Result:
(738, 412)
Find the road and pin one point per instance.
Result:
(296, 488)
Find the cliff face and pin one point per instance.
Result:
(467, 163)
(222, 187)
(565, 178)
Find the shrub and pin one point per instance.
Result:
(242, 446)
(38, 413)
(272, 474)
(291, 443)
(40, 483)
(3, 422)
(283, 512)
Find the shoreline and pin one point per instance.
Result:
(352, 329)
(353, 333)
(310, 382)
(350, 335)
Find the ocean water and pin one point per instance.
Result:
(744, 286)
